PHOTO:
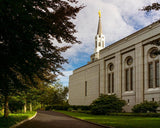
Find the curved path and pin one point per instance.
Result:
(49, 119)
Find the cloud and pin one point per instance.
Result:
(119, 19)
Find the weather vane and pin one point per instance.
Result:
(99, 12)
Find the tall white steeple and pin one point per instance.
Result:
(99, 38)
(99, 41)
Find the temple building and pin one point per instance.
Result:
(128, 68)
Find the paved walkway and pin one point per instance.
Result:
(49, 119)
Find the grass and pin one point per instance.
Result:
(118, 121)
(14, 119)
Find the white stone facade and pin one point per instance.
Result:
(99, 42)
(125, 68)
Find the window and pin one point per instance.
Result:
(111, 67)
(127, 79)
(102, 43)
(131, 77)
(129, 61)
(129, 74)
(153, 74)
(157, 73)
(99, 43)
(150, 66)
(153, 70)
(110, 78)
(85, 88)
(152, 53)
(111, 83)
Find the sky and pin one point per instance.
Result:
(120, 18)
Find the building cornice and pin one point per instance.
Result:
(133, 35)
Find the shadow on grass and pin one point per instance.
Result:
(11, 120)
(119, 121)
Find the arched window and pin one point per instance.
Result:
(110, 78)
(85, 88)
(96, 44)
(153, 69)
(99, 43)
(129, 74)
(102, 43)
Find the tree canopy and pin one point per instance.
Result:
(154, 6)
(28, 29)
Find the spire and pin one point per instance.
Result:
(99, 41)
(99, 30)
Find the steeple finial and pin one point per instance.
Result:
(99, 12)
(99, 40)
(99, 30)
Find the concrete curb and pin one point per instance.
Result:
(15, 125)
(86, 121)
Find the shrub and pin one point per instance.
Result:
(145, 107)
(107, 104)
(57, 107)
(82, 107)
(70, 109)
(66, 107)
(48, 108)
(79, 110)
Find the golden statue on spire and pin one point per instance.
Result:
(99, 12)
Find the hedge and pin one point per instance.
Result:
(66, 107)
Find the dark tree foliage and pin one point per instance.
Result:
(156, 7)
(15, 104)
(27, 52)
(52, 95)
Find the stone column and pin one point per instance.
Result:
(102, 77)
(139, 80)
(118, 77)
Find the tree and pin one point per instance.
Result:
(154, 6)
(54, 94)
(15, 104)
(1, 102)
(32, 97)
(27, 51)
(148, 8)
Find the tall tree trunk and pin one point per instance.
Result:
(30, 105)
(6, 107)
(25, 106)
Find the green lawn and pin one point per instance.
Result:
(119, 121)
(14, 118)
